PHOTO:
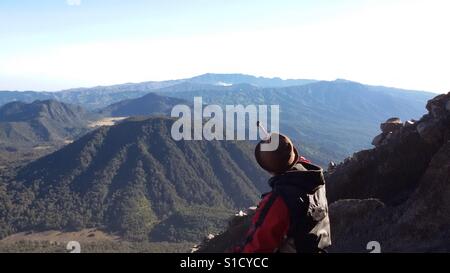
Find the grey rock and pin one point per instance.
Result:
(429, 131)
(391, 125)
(438, 106)
(354, 207)
(394, 120)
(345, 213)
(378, 140)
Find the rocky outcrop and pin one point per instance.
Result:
(391, 125)
(357, 235)
(388, 128)
(410, 175)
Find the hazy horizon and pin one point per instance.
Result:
(192, 76)
(54, 45)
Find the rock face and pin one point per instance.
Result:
(389, 127)
(360, 211)
(396, 194)
(409, 174)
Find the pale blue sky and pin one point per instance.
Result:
(51, 45)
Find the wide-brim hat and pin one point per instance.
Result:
(280, 160)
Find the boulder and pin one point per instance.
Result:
(351, 221)
(378, 140)
(391, 125)
(394, 120)
(438, 107)
(430, 131)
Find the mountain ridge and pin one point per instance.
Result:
(133, 179)
(150, 104)
(47, 120)
(102, 96)
(331, 120)
(29, 130)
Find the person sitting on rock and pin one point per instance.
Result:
(293, 217)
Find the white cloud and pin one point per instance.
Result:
(73, 2)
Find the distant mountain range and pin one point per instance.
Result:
(328, 120)
(102, 96)
(135, 180)
(232, 79)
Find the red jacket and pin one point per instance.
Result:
(270, 224)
